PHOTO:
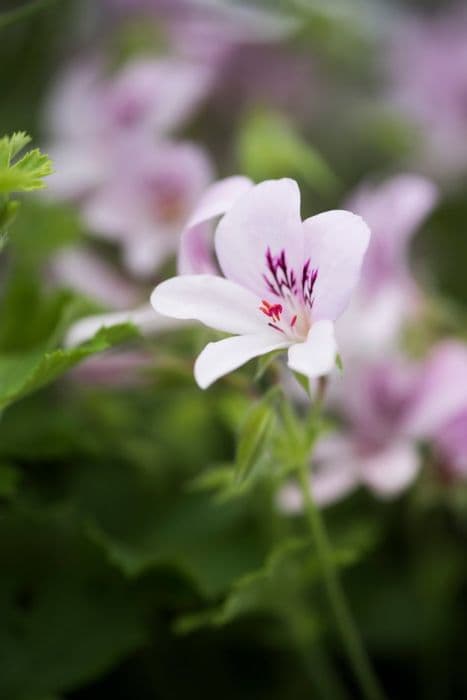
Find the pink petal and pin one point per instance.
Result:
(265, 217)
(157, 94)
(391, 471)
(317, 355)
(144, 318)
(335, 242)
(336, 471)
(393, 210)
(84, 271)
(196, 255)
(215, 301)
(442, 390)
(224, 356)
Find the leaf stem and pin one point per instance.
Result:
(354, 648)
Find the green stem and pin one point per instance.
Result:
(354, 648)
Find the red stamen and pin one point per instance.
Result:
(293, 321)
(273, 311)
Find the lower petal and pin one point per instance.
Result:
(224, 356)
(391, 471)
(317, 355)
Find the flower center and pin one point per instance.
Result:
(292, 316)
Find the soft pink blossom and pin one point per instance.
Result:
(145, 204)
(387, 410)
(285, 282)
(91, 114)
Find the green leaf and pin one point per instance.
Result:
(52, 227)
(208, 543)
(25, 174)
(67, 616)
(10, 146)
(268, 147)
(275, 588)
(253, 437)
(23, 373)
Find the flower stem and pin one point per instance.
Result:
(354, 648)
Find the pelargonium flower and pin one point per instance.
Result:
(285, 282)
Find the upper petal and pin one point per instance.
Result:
(215, 301)
(317, 355)
(224, 356)
(265, 217)
(196, 254)
(335, 243)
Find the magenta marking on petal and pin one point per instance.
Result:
(276, 328)
(309, 277)
(280, 278)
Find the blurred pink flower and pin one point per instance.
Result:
(146, 203)
(387, 295)
(208, 30)
(428, 82)
(285, 283)
(90, 114)
(388, 409)
(442, 414)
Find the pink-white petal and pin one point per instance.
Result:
(392, 470)
(317, 355)
(215, 301)
(157, 94)
(84, 271)
(224, 356)
(335, 243)
(265, 217)
(196, 255)
(442, 390)
(144, 318)
(394, 210)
